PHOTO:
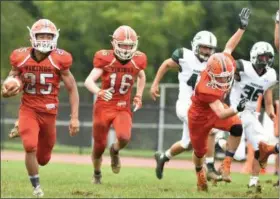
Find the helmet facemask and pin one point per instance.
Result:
(202, 55)
(222, 81)
(264, 60)
(124, 53)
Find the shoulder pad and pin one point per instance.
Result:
(62, 59)
(19, 55)
(273, 74)
(177, 54)
(239, 65)
(140, 59)
(102, 58)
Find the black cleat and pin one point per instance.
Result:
(160, 161)
(96, 179)
(213, 174)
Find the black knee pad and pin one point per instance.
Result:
(257, 154)
(236, 130)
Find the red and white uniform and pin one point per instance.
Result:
(121, 77)
(39, 102)
(202, 118)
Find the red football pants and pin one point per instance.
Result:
(37, 132)
(103, 117)
(199, 131)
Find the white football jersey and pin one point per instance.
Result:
(251, 85)
(190, 68)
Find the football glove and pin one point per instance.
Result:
(244, 18)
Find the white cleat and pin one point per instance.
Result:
(38, 192)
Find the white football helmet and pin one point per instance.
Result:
(43, 26)
(204, 38)
(262, 54)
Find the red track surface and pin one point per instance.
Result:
(125, 161)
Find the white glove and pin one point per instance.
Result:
(106, 95)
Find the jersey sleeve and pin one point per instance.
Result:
(177, 54)
(14, 59)
(141, 60)
(18, 56)
(66, 61)
(239, 68)
(207, 98)
(98, 60)
(62, 59)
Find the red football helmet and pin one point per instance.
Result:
(40, 27)
(220, 68)
(125, 42)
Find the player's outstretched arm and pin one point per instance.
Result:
(141, 82)
(276, 31)
(165, 66)
(235, 39)
(268, 100)
(223, 113)
(71, 86)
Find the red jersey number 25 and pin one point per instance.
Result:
(124, 87)
(31, 78)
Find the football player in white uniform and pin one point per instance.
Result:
(254, 78)
(190, 63)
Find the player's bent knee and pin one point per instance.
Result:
(98, 149)
(29, 148)
(124, 139)
(236, 130)
(42, 161)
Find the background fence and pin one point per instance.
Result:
(155, 126)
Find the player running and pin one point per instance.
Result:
(41, 68)
(118, 69)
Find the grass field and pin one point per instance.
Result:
(74, 181)
(16, 145)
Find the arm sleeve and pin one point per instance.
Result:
(207, 98)
(66, 61)
(97, 60)
(143, 64)
(177, 54)
(239, 68)
(14, 59)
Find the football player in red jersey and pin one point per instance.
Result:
(208, 111)
(118, 69)
(41, 68)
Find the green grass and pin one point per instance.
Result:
(17, 146)
(70, 180)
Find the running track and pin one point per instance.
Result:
(125, 161)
